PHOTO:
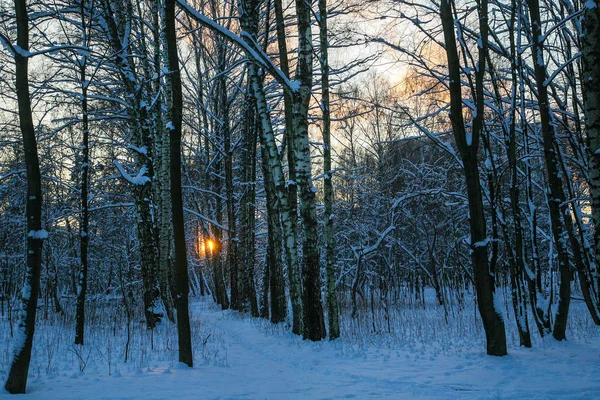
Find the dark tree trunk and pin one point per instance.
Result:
(84, 237)
(514, 242)
(226, 134)
(468, 147)
(148, 253)
(264, 298)
(518, 262)
(238, 280)
(181, 267)
(19, 369)
(232, 258)
(84, 223)
(556, 197)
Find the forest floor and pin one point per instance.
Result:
(238, 357)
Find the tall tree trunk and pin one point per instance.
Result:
(274, 249)
(248, 22)
(216, 234)
(164, 228)
(288, 103)
(314, 324)
(468, 144)
(222, 111)
(84, 237)
(146, 227)
(264, 298)
(540, 301)
(591, 88)
(556, 197)
(181, 267)
(245, 285)
(141, 126)
(232, 258)
(332, 306)
(288, 228)
(19, 369)
(238, 280)
(516, 258)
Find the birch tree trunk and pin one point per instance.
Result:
(248, 22)
(289, 232)
(332, 306)
(591, 88)
(141, 126)
(163, 165)
(288, 103)
(314, 325)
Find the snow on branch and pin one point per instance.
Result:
(55, 49)
(367, 250)
(416, 260)
(8, 175)
(16, 50)
(140, 179)
(589, 4)
(482, 243)
(8, 45)
(254, 51)
(562, 67)
(427, 192)
(140, 150)
(562, 22)
(205, 218)
(41, 234)
(376, 245)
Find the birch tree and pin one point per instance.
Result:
(328, 197)
(142, 146)
(590, 43)
(85, 168)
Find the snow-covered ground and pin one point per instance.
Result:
(242, 358)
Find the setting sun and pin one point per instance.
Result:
(211, 245)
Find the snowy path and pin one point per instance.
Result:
(246, 360)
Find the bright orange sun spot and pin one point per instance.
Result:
(211, 245)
